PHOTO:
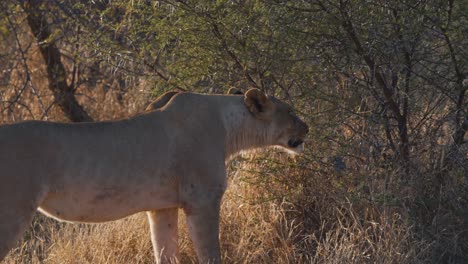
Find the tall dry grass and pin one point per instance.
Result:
(294, 217)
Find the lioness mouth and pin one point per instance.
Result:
(294, 143)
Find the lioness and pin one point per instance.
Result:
(168, 158)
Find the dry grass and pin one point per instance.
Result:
(262, 222)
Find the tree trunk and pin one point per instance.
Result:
(64, 94)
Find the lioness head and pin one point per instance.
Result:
(288, 131)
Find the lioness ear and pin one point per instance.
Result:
(235, 91)
(258, 103)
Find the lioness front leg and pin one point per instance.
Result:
(164, 234)
(13, 223)
(203, 224)
(18, 205)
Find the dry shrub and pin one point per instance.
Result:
(299, 216)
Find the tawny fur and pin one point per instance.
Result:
(164, 159)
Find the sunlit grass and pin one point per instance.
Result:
(258, 225)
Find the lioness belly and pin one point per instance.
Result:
(105, 204)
